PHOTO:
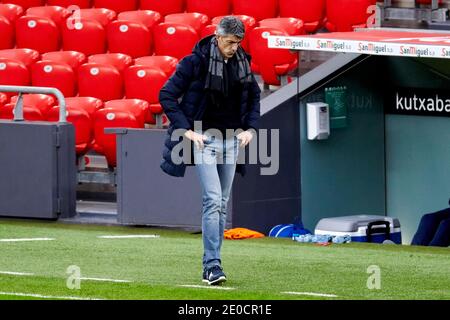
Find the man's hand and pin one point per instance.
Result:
(197, 138)
(245, 138)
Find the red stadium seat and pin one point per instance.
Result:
(163, 7)
(263, 9)
(104, 16)
(88, 37)
(118, 60)
(131, 38)
(82, 4)
(311, 12)
(270, 63)
(249, 23)
(25, 4)
(117, 5)
(148, 18)
(291, 26)
(88, 104)
(55, 75)
(210, 29)
(10, 11)
(212, 8)
(3, 99)
(100, 81)
(6, 34)
(42, 102)
(139, 108)
(196, 20)
(345, 15)
(175, 40)
(13, 73)
(55, 13)
(143, 82)
(26, 56)
(29, 113)
(166, 63)
(73, 58)
(81, 121)
(40, 34)
(111, 118)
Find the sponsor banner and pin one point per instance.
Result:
(418, 102)
(384, 48)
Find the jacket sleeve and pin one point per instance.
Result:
(252, 118)
(174, 89)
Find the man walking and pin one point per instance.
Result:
(218, 92)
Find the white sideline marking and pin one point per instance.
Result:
(105, 280)
(33, 295)
(205, 287)
(17, 273)
(130, 236)
(26, 239)
(311, 294)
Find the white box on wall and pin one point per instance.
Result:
(318, 120)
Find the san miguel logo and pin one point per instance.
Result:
(330, 44)
(420, 102)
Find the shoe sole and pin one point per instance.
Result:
(205, 281)
(217, 281)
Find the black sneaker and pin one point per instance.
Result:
(205, 276)
(215, 276)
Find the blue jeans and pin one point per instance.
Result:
(216, 166)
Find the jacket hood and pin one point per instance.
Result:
(202, 48)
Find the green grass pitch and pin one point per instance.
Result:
(169, 267)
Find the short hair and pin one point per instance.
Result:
(231, 25)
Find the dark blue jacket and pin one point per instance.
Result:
(187, 84)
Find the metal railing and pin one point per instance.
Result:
(18, 110)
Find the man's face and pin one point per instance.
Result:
(228, 45)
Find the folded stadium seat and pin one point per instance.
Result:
(89, 104)
(55, 13)
(73, 58)
(100, 81)
(43, 102)
(82, 123)
(270, 63)
(175, 40)
(29, 113)
(345, 15)
(26, 56)
(118, 60)
(102, 15)
(13, 73)
(10, 11)
(111, 118)
(25, 4)
(131, 38)
(163, 7)
(148, 18)
(6, 34)
(249, 23)
(263, 9)
(57, 75)
(144, 82)
(82, 4)
(196, 20)
(88, 37)
(212, 8)
(137, 107)
(40, 34)
(3, 99)
(291, 26)
(311, 12)
(117, 5)
(166, 63)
